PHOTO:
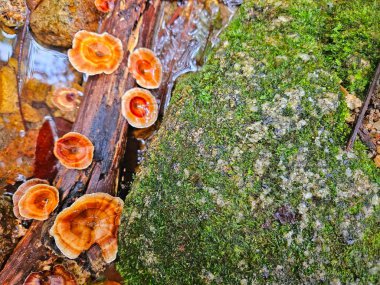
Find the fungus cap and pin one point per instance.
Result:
(139, 107)
(38, 202)
(92, 219)
(21, 190)
(57, 276)
(74, 151)
(105, 6)
(146, 68)
(94, 53)
(66, 99)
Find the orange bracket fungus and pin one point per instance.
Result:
(35, 199)
(58, 275)
(92, 219)
(94, 53)
(146, 68)
(105, 6)
(139, 107)
(74, 151)
(66, 99)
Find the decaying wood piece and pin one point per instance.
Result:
(359, 121)
(100, 120)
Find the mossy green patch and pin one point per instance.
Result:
(247, 181)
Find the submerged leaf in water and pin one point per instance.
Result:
(46, 163)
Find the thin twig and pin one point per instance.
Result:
(19, 65)
(359, 121)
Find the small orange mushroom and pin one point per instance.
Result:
(94, 53)
(92, 219)
(146, 68)
(139, 107)
(35, 199)
(105, 6)
(56, 276)
(21, 190)
(74, 151)
(66, 99)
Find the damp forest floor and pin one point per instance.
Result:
(247, 180)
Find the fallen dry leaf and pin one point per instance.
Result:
(30, 114)
(45, 164)
(8, 89)
(18, 157)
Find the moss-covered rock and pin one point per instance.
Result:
(247, 181)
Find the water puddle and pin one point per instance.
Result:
(39, 77)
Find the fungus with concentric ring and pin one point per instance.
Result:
(94, 53)
(66, 99)
(146, 68)
(92, 219)
(58, 275)
(74, 151)
(35, 199)
(139, 107)
(105, 6)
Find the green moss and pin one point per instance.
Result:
(247, 181)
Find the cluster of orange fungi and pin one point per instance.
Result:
(35, 199)
(74, 151)
(58, 275)
(66, 99)
(105, 6)
(92, 219)
(138, 105)
(94, 53)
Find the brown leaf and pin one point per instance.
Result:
(46, 163)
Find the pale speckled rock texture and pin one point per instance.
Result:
(12, 13)
(55, 22)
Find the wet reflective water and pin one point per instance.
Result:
(41, 71)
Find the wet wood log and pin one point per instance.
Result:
(99, 119)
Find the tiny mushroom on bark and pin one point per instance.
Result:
(35, 199)
(105, 6)
(58, 275)
(146, 68)
(94, 53)
(139, 107)
(92, 219)
(21, 191)
(66, 99)
(74, 151)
